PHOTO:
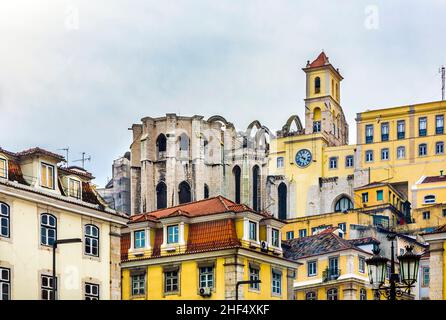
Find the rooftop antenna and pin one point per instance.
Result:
(443, 77)
(67, 150)
(83, 160)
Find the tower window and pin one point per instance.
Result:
(317, 85)
(316, 126)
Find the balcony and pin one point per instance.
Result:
(422, 132)
(385, 137)
(401, 134)
(369, 139)
(330, 274)
(439, 130)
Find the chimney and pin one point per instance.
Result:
(441, 173)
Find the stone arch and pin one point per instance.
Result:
(237, 173)
(293, 119)
(206, 191)
(317, 114)
(256, 189)
(340, 203)
(184, 192)
(161, 195)
(218, 118)
(161, 145)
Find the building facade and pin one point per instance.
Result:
(201, 250)
(41, 202)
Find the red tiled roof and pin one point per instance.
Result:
(204, 207)
(209, 235)
(434, 179)
(320, 61)
(73, 170)
(364, 241)
(40, 151)
(15, 172)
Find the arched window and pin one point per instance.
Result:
(310, 295)
(343, 204)
(184, 142)
(237, 181)
(256, 197)
(161, 195)
(282, 196)
(332, 294)
(317, 85)
(4, 220)
(206, 191)
(48, 229)
(91, 240)
(161, 146)
(184, 193)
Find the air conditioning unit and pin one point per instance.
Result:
(264, 246)
(205, 292)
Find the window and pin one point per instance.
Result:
(280, 162)
(91, 291)
(184, 142)
(3, 168)
(4, 220)
(310, 295)
(312, 268)
(332, 294)
(439, 124)
(47, 176)
(161, 146)
(275, 238)
(333, 162)
(237, 181)
(333, 264)
(277, 282)
(316, 126)
(362, 294)
(426, 215)
(385, 131)
(290, 235)
(429, 199)
(91, 240)
(5, 284)
(401, 152)
(369, 133)
(74, 188)
(401, 129)
(422, 126)
(252, 231)
(140, 239)
(379, 195)
(206, 191)
(385, 154)
(365, 197)
(184, 192)
(161, 195)
(369, 156)
(439, 147)
(425, 277)
(171, 281)
(422, 149)
(444, 212)
(206, 277)
(361, 264)
(349, 161)
(48, 229)
(317, 85)
(342, 226)
(343, 205)
(302, 233)
(254, 274)
(46, 287)
(172, 234)
(138, 284)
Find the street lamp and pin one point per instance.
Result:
(55, 243)
(398, 283)
(244, 282)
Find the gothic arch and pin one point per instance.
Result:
(237, 173)
(218, 118)
(282, 197)
(161, 195)
(256, 189)
(337, 206)
(293, 119)
(184, 192)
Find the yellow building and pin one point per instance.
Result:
(437, 263)
(333, 268)
(200, 250)
(41, 202)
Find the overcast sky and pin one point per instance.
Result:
(79, 73)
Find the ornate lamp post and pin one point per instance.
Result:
(398, 283)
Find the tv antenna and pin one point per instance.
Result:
(83, 159)
(67, 150)
(443, 77)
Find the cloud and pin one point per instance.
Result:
(79, 73)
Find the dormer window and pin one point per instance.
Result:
(275, 237)
(74, 188)
(172, 234)
(252, 231)
(46, 175)
(3, 168)
(140, 239)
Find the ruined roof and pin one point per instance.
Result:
(364, 241)
(431, 179)
(320, 61)
(39, 151)
(319, 244)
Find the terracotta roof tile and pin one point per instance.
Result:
(39, 151)
(364, 241)
(15, 172)
(431, 179)
(320, 61)
(210, 235)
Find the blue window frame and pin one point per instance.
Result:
(290, 235)
(172, 234)
(302, 233)
(140, 239)
(379, 195)
(276, 282)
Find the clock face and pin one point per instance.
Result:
(303, 158)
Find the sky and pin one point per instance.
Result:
(78, 74)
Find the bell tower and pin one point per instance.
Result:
(323, 111)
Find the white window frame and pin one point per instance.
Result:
(69, 189)
(276, 283)
(310, 271)
(53, 170)
(140, 240)
(385, 151)
(94, 240)
(206, 276)
(88, 291)
(254, 274)
(333, 162)
(361, 264)
(5, 281)
(431, 199)
(255, 225)
(5, 217)
(349, 161)
(288, 234)
(280, 162)
(48, 289)
(138, 283)
(369, 156)
(275, 237)
(437, 144)
(425, 149)
(175, 235)
(46, 227)
(401, 152)
(169, 277)
(6, 168)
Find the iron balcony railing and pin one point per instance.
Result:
(330, 274)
